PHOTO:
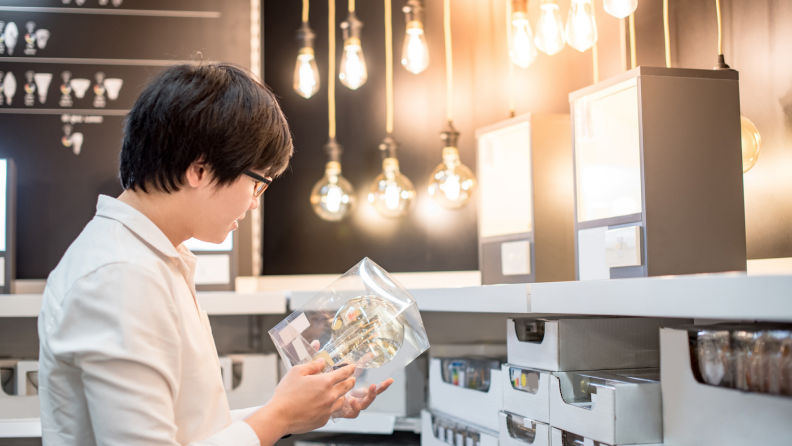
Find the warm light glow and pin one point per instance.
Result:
(550, 30)
(353, 66)
(521, 47)
(452, 183)
(333, 198)
(306, 74)
(751, 143)
(620, 8)
(391, 193)
(581, 30)
(415, 54)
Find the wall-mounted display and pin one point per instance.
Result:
(216, 267)
(525, 200)
(7, 225)
(658, 174)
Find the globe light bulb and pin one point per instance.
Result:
(391, 193)
(620, 8)
(306, 73)
(353, 65)
(751, 143)
(549, 30)
(452, 183)
(521, 46)
(581, 30)
(415, 52)
(333, 197)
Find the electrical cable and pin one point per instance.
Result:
(512, 106)
(331, 45)
(388, 67)
(666, 34)
(305, 11)
(449, 61)
(633, 62)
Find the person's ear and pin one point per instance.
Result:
(197, 174)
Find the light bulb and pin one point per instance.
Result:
(391, 193)
(306, 73)
(620, 8)
(415, 52)
(581, 30)
(751, 143)
(452, 183)
(332, 197)
(549, 30)
(353, 65)
(521, 47)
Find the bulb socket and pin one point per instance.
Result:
(549, 2)
(333, 168)
(390, 165)
(449, 136)
(333, 150)
(352, 42)
(722, 64)
(351, 28)
(520, 6)
(388, 147)
(414, 25)
(413, 12)
(306, 37)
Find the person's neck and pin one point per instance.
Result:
(163, 209)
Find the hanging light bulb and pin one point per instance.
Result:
(751, 143)
(620, 8)
(581, 29)
(415, 52)
(306, 74)
(550, 30)
(391, 192)
(521, 46)
(452, 183)
(353, 66)
(333, 197)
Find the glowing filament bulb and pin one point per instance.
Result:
(353, 65)
(620, 8)
(521, 48)
(581, 30)
(452, 183)
(550, 30)
(415, 54)
(306, 74)
(333, 197)
(391, 193)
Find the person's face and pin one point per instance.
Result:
(219, 209)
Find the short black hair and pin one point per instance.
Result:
(215, 112)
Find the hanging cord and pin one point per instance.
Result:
(623, 43)
(305, 11)
(720, 28)
(351, 5)
(512, 106)
(667, 34)
(331, 45)
(388, 67)
(449, 61)
(633, 63)
(594, 56)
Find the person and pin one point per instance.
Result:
(127, 355)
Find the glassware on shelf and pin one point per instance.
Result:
(714, 357)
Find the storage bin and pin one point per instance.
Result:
(516, 430)
(250, 380)
(22, 401)
(585, 343)
(560, 437)
(471, 406)
(442, 430)
(407, 395)
(531, 399)
(705, 415)
(613, 407)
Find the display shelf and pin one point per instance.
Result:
(373, 423)
(728, 296)
(215, 303)
(512, 298)
(20, 428)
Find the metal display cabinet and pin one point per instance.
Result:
(7, 225)
(658, 174)
(525, 200)
(217, 265)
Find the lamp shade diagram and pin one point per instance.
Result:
(80, 86)
(10, 36)
(42, 36)
(9, 87)
(43, 81)
(113, 87)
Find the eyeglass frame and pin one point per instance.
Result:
(258, 181)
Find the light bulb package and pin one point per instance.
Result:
(365, 318)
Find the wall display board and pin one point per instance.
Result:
(70, 70)
(658, 174)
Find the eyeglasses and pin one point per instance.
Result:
(260, 184)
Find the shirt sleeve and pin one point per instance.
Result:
(243, 414)
(122, 337)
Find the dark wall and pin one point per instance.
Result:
(429, 238)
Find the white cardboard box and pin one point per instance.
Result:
(259, 377)
(557, 439)
(429, 436)
(703, 415)
(17, 406)
(627, 412)
(407, 395)
(581, 343)
(507, 438)
(535, 406)
(472, 406)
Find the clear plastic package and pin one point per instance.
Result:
(715, 357)
(473, 373)
(365, 318)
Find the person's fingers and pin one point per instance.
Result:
(340, 374)
(384, 385)
(354, 409)
(315, 345)
(343, 387)
(337, 405)
(372, 393)
(313, 367)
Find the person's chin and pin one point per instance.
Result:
(235, 226)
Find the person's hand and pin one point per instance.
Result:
(303, 401)
(362, 399)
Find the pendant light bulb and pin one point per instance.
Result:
(306, 73)
(353, 65)
(581, 30)
(620, 8)
(521, 44)
(415, 52)
(549, 30)
(333, 197)
(391, 193)
(452, 183)
(751, 143)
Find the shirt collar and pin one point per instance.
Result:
(138, 223)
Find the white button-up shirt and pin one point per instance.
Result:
(127, 355)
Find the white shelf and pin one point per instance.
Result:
(21, 428)
(373, 423)
(731, 296)
(214, 303)
(513, 298)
